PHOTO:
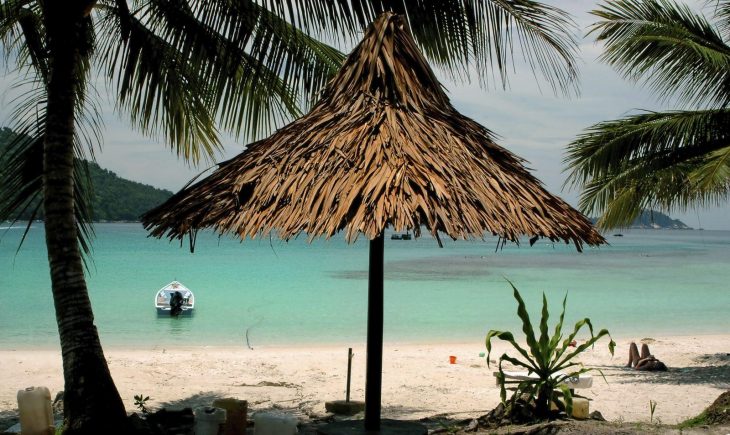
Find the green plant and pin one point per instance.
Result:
(448, 427)
(698, 420)
(652, 408)
(548, 357)
(140, 402)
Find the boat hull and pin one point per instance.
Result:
(166, 311)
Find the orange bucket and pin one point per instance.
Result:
(452, 359)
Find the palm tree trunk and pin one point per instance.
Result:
(92, 404)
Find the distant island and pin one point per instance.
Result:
(115, 199)
(654, 220)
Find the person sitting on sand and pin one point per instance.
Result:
(646, 361)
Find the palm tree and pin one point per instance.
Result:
(659, 160)
(181, 69)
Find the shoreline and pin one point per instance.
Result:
(418, 380)
(337, 345)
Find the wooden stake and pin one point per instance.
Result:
(349, 373)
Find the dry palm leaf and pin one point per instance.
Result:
(382, 147)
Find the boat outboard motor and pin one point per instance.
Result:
(176, 303)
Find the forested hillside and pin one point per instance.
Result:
(115, 199)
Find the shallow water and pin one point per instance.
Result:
(648, 282)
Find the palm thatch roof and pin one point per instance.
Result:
(382, 147)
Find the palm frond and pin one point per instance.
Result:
(545, 35)
(606, 147)
(456, 33)
(21, 182)
(256, 65)
(22, 36)
(721, 10)
(21, 175)
(713, 174)
(661, 184)
(266, 40)
(157, 87)
(617, 203)
(620, 200)
(673, 50)
(245, 64)
(651, 160)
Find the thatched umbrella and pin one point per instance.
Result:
(382, 147)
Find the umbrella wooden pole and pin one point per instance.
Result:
(374, 370)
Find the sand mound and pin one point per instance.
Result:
(719, 411)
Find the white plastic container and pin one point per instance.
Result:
(36, 416)
(274, 424)
(208, 420)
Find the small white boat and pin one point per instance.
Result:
(179, 295)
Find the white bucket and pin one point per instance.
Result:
(208, 420)
(274, 424)
(36, 416)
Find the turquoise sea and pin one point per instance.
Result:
(648, 282)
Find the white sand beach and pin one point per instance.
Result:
(418, 380)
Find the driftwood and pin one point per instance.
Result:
(382, 147)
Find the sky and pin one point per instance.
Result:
(531, 122)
